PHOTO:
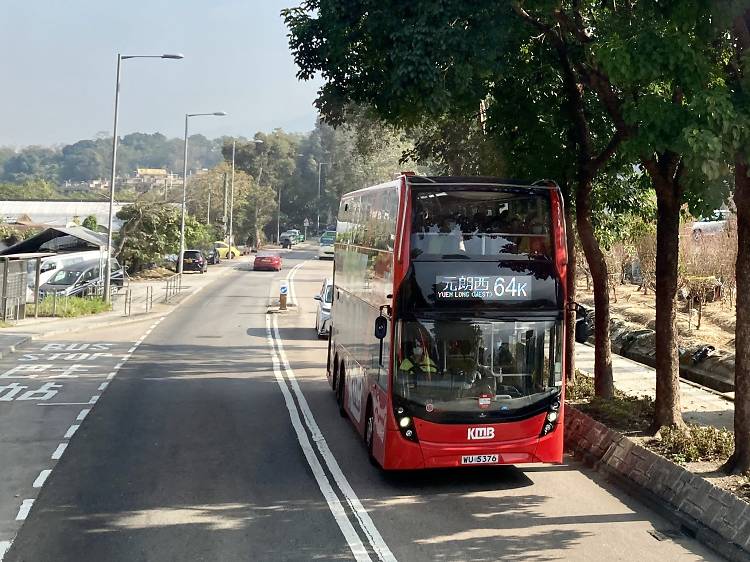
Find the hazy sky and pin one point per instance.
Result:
(58, 57)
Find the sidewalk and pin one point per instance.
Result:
(15, 336)
(699, 404)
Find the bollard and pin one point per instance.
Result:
(283, 291)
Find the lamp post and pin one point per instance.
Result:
(107, 265)
(320, 167)
(184, 184)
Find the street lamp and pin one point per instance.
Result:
(320, 167)
(108, 266)
(184, 183)
(231, 197)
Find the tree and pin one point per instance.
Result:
(152, 230)
(736, 17)
(90, 222)
(448, 60)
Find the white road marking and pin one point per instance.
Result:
(132, 349)
(59, 451)
(290, 281)
(83, 414)
(363, 517)
(62, 403)
(23, 511)
(39, 482)
(4, 547)
(103, 386)
(118, 366)
(71, 430)
(110, 376)
(334, 504)
(94, 399)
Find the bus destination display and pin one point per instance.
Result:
(485, 287)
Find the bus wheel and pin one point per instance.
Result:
(340, 382)
(370, 433)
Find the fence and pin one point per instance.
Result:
(173, 286)
(144, 302)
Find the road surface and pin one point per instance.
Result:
(218, 438)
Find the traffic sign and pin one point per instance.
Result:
(283, 288)
(306, 223)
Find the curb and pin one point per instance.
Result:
(714, 516)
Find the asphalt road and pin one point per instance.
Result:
(219, 439)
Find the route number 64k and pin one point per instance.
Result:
(512, 287)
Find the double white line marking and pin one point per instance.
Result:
(303, 422)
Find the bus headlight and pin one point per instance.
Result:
(406, 425)
(550, 421)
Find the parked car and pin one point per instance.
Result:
(223, 249)
(212, 256)
(323, 316)
(326, 245)
(194, 260)
(267, 261)
(709, 226)
(51, 264)
(81, 279)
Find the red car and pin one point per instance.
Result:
(267, 261)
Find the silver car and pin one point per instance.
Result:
(323, 316)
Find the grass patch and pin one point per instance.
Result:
(623, 413)
(694, 443)
(72, 307)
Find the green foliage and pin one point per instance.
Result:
(71, 307)
(695, 443)
(29, 189)
(90, 222)
(581, 389)
(91, 159)
(152, 230)
(623, 412)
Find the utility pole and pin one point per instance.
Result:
(208, 208)
(231, 202)
(278, 219)
(226, 201)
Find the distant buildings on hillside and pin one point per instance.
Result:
(142, 180)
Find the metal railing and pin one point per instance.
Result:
(146, 300)
(173, 286)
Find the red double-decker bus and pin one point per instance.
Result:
(446, 345)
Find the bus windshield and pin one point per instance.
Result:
(467, 366)
(469, 224)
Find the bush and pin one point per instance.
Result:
(581, 389)
(623, 413)
(72, 306)
(695, 443)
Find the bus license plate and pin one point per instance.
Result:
(479, 459)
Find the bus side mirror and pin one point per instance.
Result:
(381, 327)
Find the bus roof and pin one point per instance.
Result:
(458, 181)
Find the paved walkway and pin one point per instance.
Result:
(29, 328)
(699, 404)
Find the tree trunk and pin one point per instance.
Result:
(739, 462)
(603, 382)
(668, 410)
(570, 328)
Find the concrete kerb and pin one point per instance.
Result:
(91, 322)
(712, 515)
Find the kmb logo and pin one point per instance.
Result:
(481, 433)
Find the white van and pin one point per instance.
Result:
(54, 263)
